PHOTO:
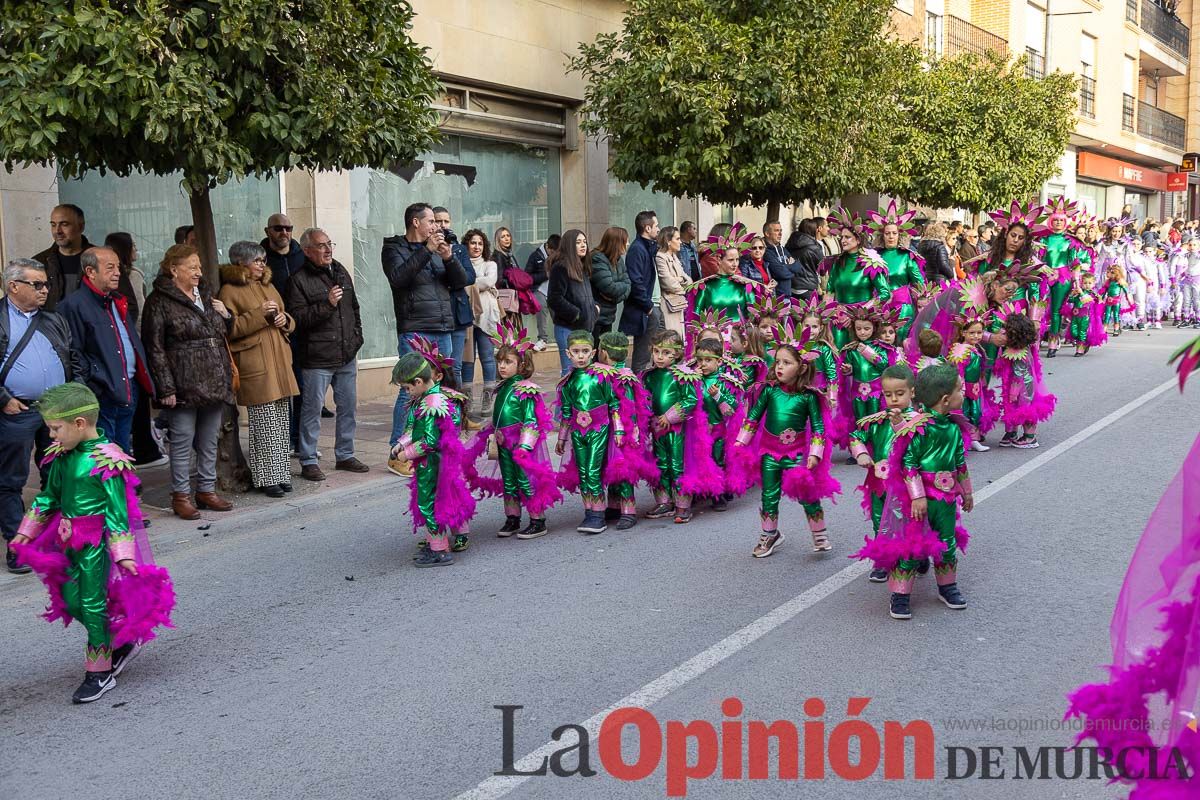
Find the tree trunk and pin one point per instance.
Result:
(233, 473)
(772, 211)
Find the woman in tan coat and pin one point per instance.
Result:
(673, 281)
(264, 361)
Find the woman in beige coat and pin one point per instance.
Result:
(673, 282)
(260, 349)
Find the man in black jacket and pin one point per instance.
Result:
(328, 337)
(285, 258)
(641, 316)
(45, 360)
(62, 257)
(777, 259)
(460, 303)
(421, 268)
(807, 253)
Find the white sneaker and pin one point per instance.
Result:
(1158, 326)
(978, 446)
(540, 345)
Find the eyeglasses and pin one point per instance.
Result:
(322, 245)
(281, 228)
(38, 286)
(259, 260)
(758, 247)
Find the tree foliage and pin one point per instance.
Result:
(976, 132)
(746, 103)
(218, 90)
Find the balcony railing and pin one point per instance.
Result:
(1165, 27)
(1087, 97)
(1035, 64)
(1131, 11)
(963, 37)
(1127, 112)
(1161, 126)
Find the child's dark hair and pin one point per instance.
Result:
(934, 383)
(711, 346)
(929, 342)
(899, 372)
(804, 376)
(668, 338)
(524, 360)
(614, 345)
(874, 328)
(411, 367)
(1019, 331)
(449, 379)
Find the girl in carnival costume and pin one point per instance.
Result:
(863, 360)
(632, 461)
(85, 538)
(967, 356)
(520, 424)
(728, 291)
(927, 479)
(1085, 311)
(753, 368)
(1139, 267)
(440, 499)
(857, 275)
(719, 402)
(1024, 401)
(1113, 246)
(929, 342)
(815, 316)
(1159, 298)
(1065, 255)
(906, 269)
(1116, 298)
(766, 315)
(784, 438)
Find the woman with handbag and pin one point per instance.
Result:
(672, 279)
(572, 306)
(506, 295)
(183, 330)
(263, 356)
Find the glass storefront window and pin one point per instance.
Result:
(1092, 198)
(484, 184)
(151, 207)
(626, 200)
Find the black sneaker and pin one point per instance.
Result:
(1027, 443)
(900, 607)
(511, 526)
(460, 543)
(10, 558)
(611, 514)
(434, 558)
(951, 596)
(274, 490)
(878, 576)
(626, 522)
(123, 655)
(720, 504)
(94, 686)
(1009, 439)
(535, 528)
(923, 567)
(683, 517)
(1052, 352)
(593, 522)
(659, 511)
(287, 487)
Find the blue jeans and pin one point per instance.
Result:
(485, 352)
(445, 344)
(345, 398)
(458, 340)
(17, 435)
(560, 336)
(116, 420)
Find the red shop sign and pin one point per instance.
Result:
(1123, 172)
(1177, 181)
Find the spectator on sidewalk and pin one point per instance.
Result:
(672, 280)
(322, 301)
(687, 250)
(258, 341)
(106, 334)
(185, 327)
(572, 306)
(284, 259)
(987, 232)
(186, 234)
(485, 308)
(460, 303)
(610, 282)
(641, 317)
(806, 253)
(37, 355)
(535, 265)
(421, 269)
(61, 258)
(779, 262)
(969, 249)
(932, 248)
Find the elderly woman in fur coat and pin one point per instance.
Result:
(260, 348)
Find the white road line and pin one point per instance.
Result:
(498, 786)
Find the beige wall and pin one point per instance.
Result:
(27, 196)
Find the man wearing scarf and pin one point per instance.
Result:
(107, 339)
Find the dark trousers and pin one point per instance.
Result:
(19, 433)
(641, 344)
(294, 416)
(145, 449)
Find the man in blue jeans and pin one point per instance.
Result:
(421, 269)
(35, 355)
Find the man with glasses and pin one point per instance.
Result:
(285, 258)
(328, 337)
(778, 260)
(37, 355)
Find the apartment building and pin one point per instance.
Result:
(1132, 58)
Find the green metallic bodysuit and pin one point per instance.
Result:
(969, 361)
(731, 294)
(856, 278)
(717, 410)
(73, 490)
(620, 494)
(873, 436)
(1080, 305)
(673, 398)
(866, 364)
(905, 278)
(785, 414)
(589, 407)
(1062, 253)
(421, 444)
(514, 414)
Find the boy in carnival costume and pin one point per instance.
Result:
(719, 392)
(927, 479)
(589, 412)
(906, 269)
(1064, 255)
(1085, 309)
(84, 537)
(632, 461)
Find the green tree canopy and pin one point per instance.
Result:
(756, 102)
(976, 132)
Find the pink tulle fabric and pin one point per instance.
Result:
(744, 464)
(702, 476)
(453, 503)
(633, 461)
(1017, 409)
(1151, 696)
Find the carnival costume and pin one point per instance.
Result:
(906, 269)
(1065, 255)
(854, 277)
(731, 294)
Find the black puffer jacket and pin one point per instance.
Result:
(937, 261)
(808, 254)
(186, 347)
(571, 302)
(421, 284)
(327, 336)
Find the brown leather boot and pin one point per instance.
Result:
(212, 502)
(181, 504)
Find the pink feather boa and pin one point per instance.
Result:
(633, 461)
(453, 503)
(1022, 411)
(702, 476)
(744, 466)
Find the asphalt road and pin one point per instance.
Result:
(285, 678)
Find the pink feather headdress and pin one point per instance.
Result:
(739, 236)
(1028, 214)
(893, 217)
(512, 334)
(428, 350)
(842, 218)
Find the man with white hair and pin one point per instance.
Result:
(37, 355)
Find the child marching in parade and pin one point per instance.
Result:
(926, 480)
(85, 538)
(815, 317)
(929, 342)
(1085, 310)
(631, 462)
(863, 361)
(968, 357)
(1024, 401)
(1116, 298)
(719, 393)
